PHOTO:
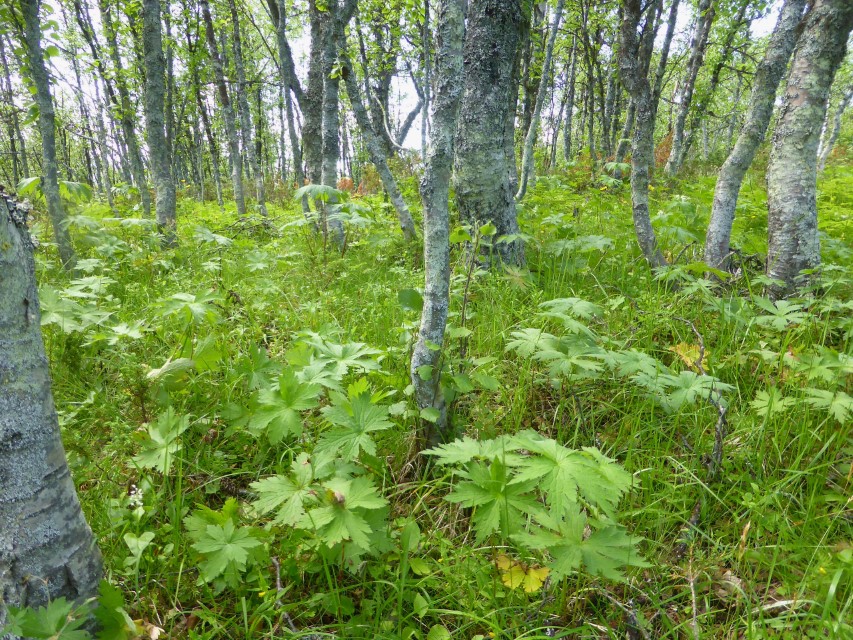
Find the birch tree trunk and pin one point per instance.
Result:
(760, 110)
(312, 110)
(127, 111)
(47, 550)
(570, 103)
(481, 177)
(435, 193)
(530, 139)
(19, 157)
(47, 129)
(704, 19)
(249, 135)
(227, 111)
(155, 95)
(829, 143)
(793, 242)
(376, 149)
(633, 73)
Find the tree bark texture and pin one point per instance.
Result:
(155, 95)
(47, 129)
(570, 103)
(435, 193)
(249, 134)
(633, 73)
(793, 242)
(530, 139)
(227, 111)
(704, 19)
(481, 176)
(46, 547)
(765, 83)
(829, 143)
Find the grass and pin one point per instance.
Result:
(769, 556)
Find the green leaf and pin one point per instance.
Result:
(439, 632)
(224, 547)
(353, 419)
(29, 186)
(161, 444)
(411, 300)
(278, 413)
(286, 494)
(430, 414)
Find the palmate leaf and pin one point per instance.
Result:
(353, 419)
(564, 473)
(343, 516)
(572, 356)
(629, 362)
(780, 314)
(528, 341)
(466, 449)
(278, 410)
(573, 306)
(192, 308)
(161, 445)
(502, 502)
(343, 357)
(771, 402)
(605, 552)
(838, 403)
(224, 547)
(673, 392)
(286, 494)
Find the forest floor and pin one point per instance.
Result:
(190, 381)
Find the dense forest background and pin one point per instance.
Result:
(426, 319)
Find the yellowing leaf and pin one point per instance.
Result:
(516, 574)
(689, 354)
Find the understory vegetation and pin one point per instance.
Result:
(640, 454)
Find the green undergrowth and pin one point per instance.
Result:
(238, 418)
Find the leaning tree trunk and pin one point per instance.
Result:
(155, 93)
(249, 135)
(227, 112)
(633, 71)
(767, 77)
(481, 177)
(435, 192)
(793, 243)
(704, 19)
(530, 139)
(47, 129)
(375, 148)
(829, 143)
(47, 550)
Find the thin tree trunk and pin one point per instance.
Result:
(767, 78)
(19, 157)
(734, 117)
(435, 194)
(312, 110)
(829, 143)
(104, 148)
(155, 95)
(570, 103)
(137, 168)
(530, 139)
(425, 105)
(47, 549)
(481, 177)
(793, 242)
(234, 157)
(47, 129)
(706, 11)
(632, 67)
(375, 148)
(249, 135)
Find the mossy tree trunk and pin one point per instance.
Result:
(47, 550)
(155, 95)
(765, 83)
(482, 175)
(435, 193)
(793, 243)
(47, 129)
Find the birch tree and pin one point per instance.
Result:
(155, 91)
(31, 36)
(435, 186)
(765, 83)
(47, 550)
(227, 111)
(481, 171)
(530, 139)
(831, 135)
(793, 242)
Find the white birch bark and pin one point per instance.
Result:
(760, 110)
(793, 242)
(435, 193)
